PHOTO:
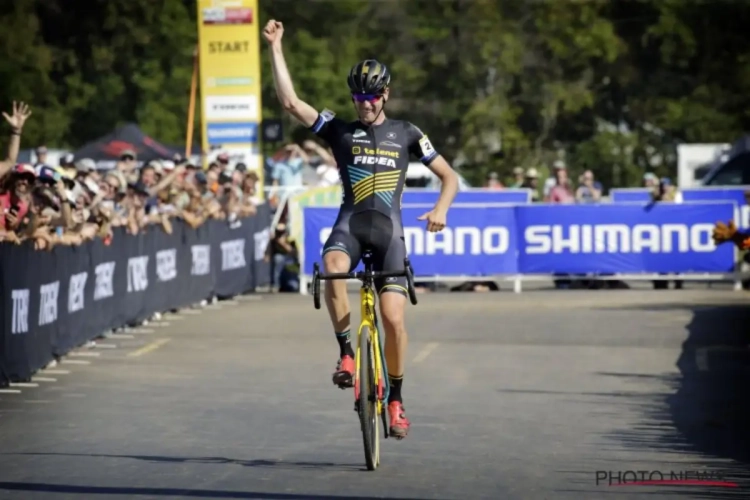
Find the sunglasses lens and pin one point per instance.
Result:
(366, 97)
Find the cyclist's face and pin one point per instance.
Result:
(369, 106)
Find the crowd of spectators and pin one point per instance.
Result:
(559, 188)
(73, 202)
(295, 166)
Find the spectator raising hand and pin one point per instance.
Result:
(21, 113)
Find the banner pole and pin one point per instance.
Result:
(191, 105)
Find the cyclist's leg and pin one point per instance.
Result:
(341, 253)
(389, 256)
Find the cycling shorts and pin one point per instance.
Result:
(353, 233)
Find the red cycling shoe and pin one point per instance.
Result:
(399, 423)
(344, 374)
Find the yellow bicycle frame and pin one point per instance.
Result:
(367, 313)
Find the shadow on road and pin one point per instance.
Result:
(257, 463)
(706, 410)
(85, 491)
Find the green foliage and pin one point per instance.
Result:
(610, 86)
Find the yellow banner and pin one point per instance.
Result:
(229, 39)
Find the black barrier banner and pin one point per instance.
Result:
(54, 301)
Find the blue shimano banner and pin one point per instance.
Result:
(477, 242)
(655, 238)
(630, 195)
(429, 196)
(736, 194)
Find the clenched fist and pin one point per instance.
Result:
(273, 32)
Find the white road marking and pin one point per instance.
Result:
(148, 348)
(9, 391)
(106, 346)
(426, 351)
(56, 372)
(121, 336)
(23, 384)
(43, 379)
(76, 362)
(85, 354)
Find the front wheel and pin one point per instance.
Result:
(367, 404)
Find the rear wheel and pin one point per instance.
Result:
(368, 401)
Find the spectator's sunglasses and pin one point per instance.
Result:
(29, 178)
(373, 98)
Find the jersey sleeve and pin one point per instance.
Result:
(327, 125)
(420, 145)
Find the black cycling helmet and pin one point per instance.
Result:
(369, 77)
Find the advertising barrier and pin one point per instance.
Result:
(534, 239)
(54, 301)
(734, 194)
(516, 196)
(630, 195)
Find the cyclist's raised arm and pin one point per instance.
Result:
(306, 114)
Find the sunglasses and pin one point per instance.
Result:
(23, 176)
(367, 97)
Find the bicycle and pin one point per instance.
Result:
(371, 397)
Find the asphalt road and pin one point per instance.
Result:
(511, 396)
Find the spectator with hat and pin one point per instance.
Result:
(518, 178)
(531, 181)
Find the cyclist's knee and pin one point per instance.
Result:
(392, 307)
(336, 262)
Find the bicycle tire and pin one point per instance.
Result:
(384, 375)
(367, 405)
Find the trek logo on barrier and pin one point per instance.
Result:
(20, 320)
(76, 292)
(103, 287)
(48, 303)
(619, 238)
(138, 274)
(201, 260)
(166, 264)
(233, 255)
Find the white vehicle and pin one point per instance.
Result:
(419, 176)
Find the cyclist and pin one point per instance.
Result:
(372, 155)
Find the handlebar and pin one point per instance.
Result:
(361, 275)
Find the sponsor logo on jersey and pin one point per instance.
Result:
(362, 141)
(359, 133)
(389, 144)
(382, 152)
(426, 147)
(391, 135)
(374, 160)
(356, 150)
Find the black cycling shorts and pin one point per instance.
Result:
(373, 230)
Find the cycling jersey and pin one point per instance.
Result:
(372, 162)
